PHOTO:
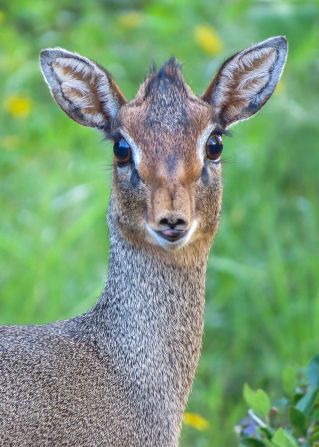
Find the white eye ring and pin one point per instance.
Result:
(136, 150)
(217, 161)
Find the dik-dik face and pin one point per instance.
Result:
(168, 142)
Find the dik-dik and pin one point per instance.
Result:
(120, 375)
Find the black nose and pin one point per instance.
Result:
(172, 228)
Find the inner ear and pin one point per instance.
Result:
(246, 81)
(82, 88)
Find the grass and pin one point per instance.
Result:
(262, 311)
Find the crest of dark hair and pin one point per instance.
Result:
(169, 75)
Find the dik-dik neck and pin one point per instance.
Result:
(152, 313)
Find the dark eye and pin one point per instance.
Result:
(122, 151)
(214, 147)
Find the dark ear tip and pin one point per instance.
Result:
(47, 55)
(44, 54)
(279, 42)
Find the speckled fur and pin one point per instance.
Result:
(120, 375)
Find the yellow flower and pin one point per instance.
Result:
(131, 19)
(208, 39)
(1, 17)
(196, 421)
(18, 106)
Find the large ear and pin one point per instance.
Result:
(83, 89)
(246, 81)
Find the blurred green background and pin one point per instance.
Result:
(262, 312)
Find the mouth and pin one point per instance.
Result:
(171, 239)
(172, 235)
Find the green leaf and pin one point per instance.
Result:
(298, 421)
(306, 403)
(314, 437)
(289, 380)
(258, 401)
(313, 372)
(268, 443)
(282, 438)
(252, 442)
(266, 431)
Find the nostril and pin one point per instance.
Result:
(164, 222)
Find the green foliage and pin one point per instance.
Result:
(293, 421)
(262, 307)
(258, 400)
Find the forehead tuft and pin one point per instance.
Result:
(163, 98)
(168, 76)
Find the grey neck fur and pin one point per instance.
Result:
(151, 315)
(119, 375)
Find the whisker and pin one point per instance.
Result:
(229, 161)
(221, 131)
(105, 167)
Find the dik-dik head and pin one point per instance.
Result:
(168, 142)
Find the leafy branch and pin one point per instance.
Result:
(292, 421)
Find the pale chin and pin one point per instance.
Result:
(156, 239)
